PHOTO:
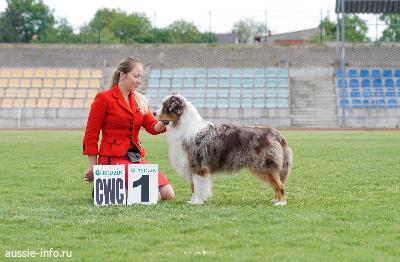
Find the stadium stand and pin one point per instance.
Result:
(377, 89)
(48, 87)
(222, 87)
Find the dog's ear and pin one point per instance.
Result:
(176, 105)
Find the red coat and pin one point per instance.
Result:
(119, 124)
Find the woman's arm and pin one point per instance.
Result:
(89, 172)
(159, 126)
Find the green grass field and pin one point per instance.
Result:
(343, 204)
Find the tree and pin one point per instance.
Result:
(181, 31)
(247, 29)
(356, 30)
(392, 31)
(25, 19)
(62, 33)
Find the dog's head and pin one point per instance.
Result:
(172, 109)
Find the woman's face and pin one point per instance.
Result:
(134, 77)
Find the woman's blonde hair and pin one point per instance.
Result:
(125, 66)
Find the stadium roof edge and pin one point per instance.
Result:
(369, 6)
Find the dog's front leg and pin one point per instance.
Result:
(201, 189)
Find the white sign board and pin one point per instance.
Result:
(109, 184)
(143, 184)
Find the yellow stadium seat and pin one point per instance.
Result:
(72, 83)
(68, 92)
(62, 73)
(81, 93)
(22, 92)
(48, 83)
(37, 83)
(78, 103)
(74, 73)
(25, 83)
(43, 103)
(5, 72)
(16, 73)
(28, 73)
(2, 91)
(60, 83)
(66, 103)
(14, 83)
(97, 73)
(7, 103)
(40, 73)
(88, 102)
(91, 93)
(95, 83)
(54, 102)
(10, 92)
(45, 92)
(57, 92)
(3, 83)
(30, 102)
(33, 92)
(51, 73)
(85, 73)
(19, 103)
(83, 83)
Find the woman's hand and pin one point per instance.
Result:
(88, 174)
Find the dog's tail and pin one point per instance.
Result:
(287, 162)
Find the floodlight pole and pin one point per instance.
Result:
(343, 52)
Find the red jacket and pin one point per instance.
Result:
(119, 124)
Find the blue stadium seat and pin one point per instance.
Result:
(397, 72)
(236, 73)
(283, 92)
(201, 73)
(364, 72)
(166, 73)
(210, 103)
(165, 83)
(200, 92)
(379, 93)
(365, 103)
(162, 92)
(344, 103)
(259, 82)
(389, 82)
(367, 92)
(356, 103)
(271, 103)
(179, 73)
(235, 92)
(247, 82)
(354, 93)
(151, 93)
(223, 92)
(211, 92)
(212, 82)
(271, 82)
(258, 72)
(340, 73)
(188, 83)
(354, 82)
(247, 93)
(365, 83)
(224, 82)
(176, 83)
(398, 82)
(283, 82)
(283, 103)
(155, 73)
(212, 73)
(342, 83)
(377, 82)
(390, 92)
(247, 72)
(387, 72)
(224, 72)
(198, 102)
(201, 82)
(247, 103)
(189, 73)
(234, 102)
(222, 103)
(353, 72)
(283, 72)
(259, 102)
(153, 82)
(271, 93)
(259, 92)
(271, 72)
(380, 102)
(235, 82)
(376, 73)
(392, 103)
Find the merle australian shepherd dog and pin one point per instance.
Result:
(198, 149)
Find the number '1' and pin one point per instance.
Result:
(144, 182)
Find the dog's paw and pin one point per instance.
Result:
(274, 201)
(195, 202)
(281, 203)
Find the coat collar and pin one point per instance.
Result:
(116, 92)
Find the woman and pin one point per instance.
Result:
(119, 113)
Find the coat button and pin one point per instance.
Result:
(130, 137)
(130, 129)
